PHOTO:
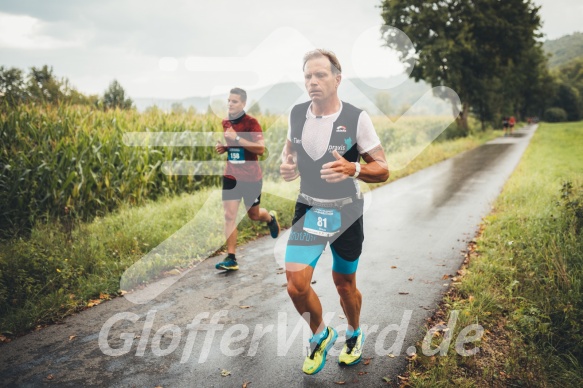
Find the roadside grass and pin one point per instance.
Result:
(524, 280)
(58, 271)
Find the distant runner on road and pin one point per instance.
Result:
(511, 124)
(326, 139)
(242, 177)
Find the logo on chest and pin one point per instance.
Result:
(341, 148)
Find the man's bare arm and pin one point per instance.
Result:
(256, 147)
(288, 168)
(376, 168)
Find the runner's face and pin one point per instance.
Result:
(320, 83)
(235, 104)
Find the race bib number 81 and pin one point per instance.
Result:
(322, 221)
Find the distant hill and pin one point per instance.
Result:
(362, 93)
(564, 49)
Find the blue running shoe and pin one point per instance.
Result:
(273, 224)
(229, 265)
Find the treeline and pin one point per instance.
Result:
(41, 86)
(567, 93)
(488, 51)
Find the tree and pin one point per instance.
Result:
(12, 87)
(569, 99)
(114, 97)
(218, 108)
(568, 93)
(43, 86)
(177, 108)
(462, 44)
(254, 109)
(383, 102)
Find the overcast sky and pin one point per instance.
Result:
(179, 48)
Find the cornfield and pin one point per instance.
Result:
(69, 162)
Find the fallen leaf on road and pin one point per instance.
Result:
(403, 293)
(340, 382)
(280, 272)
(341, 316)
(209, 297)
(403, 378)
(72, 337)
(284, 285)
(387, 379)
(314, 281)
(445, 277)
(410, 279)
(393, 266)
(244, 307)
(246, 383)
(104, 296)
(362, 373)
(391, 355)
(367, 361)
(50, 377)
(94, 302)
(225, 373)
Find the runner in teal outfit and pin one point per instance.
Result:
(327, 138)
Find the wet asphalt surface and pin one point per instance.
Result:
(416, 230)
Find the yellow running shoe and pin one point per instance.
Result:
(352, 351)
(316, 361)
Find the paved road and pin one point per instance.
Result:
(418, 224)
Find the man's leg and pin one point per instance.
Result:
(346, 251)
(299, 288)
(252, 199)
(305, 300)
(256, 213)
(351, 302)
(350, 297)
(230, 210)
(301, 256)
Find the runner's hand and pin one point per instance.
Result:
(230, 134)
(288, 169)
(220, 148)
(338, 170)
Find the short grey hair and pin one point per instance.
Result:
(318, 53)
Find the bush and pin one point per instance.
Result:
(555, 115)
